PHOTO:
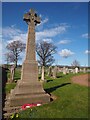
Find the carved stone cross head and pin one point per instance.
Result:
(31, 17)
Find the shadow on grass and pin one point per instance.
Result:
(49, 90)
(49, 80)
(59, 76)
(39, 77)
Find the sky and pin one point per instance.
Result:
(65, 24)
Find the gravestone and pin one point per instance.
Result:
(43, 73)
(64, 71)
(73, 71)
(55, 72)
(67, 70)
(12, 72)
(76, 70)
(84, 70)
(80, 70)
(29, 89)
(50, 71)
(58, 69)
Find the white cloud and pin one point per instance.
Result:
(51, 32)
(40, 26)
(48, 40)
(10, 32)
(64, 42)
(66, 53)
(40, 15)
(21, 37)
(43, 22)
(85, 35)
(87, 52)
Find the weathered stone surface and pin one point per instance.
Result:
(12, 72)
(29, 71)
(50, 71)
(64, 71)
(29, 89)
(55, 72)
(32, 98)
(67, 70)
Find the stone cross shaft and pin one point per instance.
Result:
(32, 20)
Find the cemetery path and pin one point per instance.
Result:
(81, 80)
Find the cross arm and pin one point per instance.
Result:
(26, 17)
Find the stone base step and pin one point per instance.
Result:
(7, 115)
(20, 100)
(11, 110)
(6, 103)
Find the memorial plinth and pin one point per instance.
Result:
(29, 89)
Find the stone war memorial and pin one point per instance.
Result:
(29, 89)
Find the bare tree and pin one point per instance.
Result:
(75, 63)
(45, 52)
(14, 50)
(7, 57)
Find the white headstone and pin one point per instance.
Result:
(64, 71)
(76, 70)
(67, 70)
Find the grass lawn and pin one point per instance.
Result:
(71, 102)
(9, 87)
(17, 74)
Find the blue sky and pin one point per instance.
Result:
(65, 24)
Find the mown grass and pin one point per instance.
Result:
(9, 87)
(71, 102)
(17, 75)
